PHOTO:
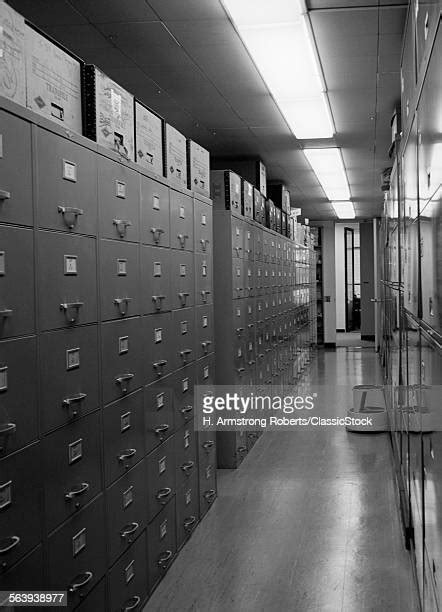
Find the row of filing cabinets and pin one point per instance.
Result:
(65, 186)
(132, 280)
(106, 326)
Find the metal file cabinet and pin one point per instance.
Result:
(181, 221)
(72, 468)
(161, 543)
(15, 170)
(120, 279)
(187, 510)
(69, 375)
(182, 279)
(155, 213)
(203, 279)
(160, 465)
(66, 185)
(95, 600)
(18, 409)
(204, 331)
(203, 227)
(158, 412)
(127, 578)
(28, 571)
(118, 201)
(159, 339)
(156, 289)
(123, 429)
(17, 272)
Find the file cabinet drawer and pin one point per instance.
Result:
(182, 279)
(183, 337)
(249, 243)
(26, 574)
(18, 394)
(207, 487)
(183, 389)
(185, 455)
(68, 375)
(128, 579)
(203, 227)
(204, 279)
(181, 221)
(118, 201)
(204, 333)
(121, 351)
(77, 553)
(237, 237)
(205, 370)
(161, 543)
(72, 469)
(17, 303)
(66, 185)
(187, 510)
(249, 280)
(15, 171)
(95, 600)
(158, 343)
(155, 280)
(158, 412)
(67, 280)
(120, 279)
(160, 477)
(123, 424)
(238, 280)
(155, 213)
(126, 503)
(20, 505)
(206, 449)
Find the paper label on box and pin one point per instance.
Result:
(12, 55)
(149, 139)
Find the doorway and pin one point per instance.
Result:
(348, 284)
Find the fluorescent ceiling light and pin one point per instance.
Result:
(329, 169)
(344, 210)
(276, 35)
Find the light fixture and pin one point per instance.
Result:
(344, 210)
(329, 169)
(277, 36)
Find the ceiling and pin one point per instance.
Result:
(186, 61)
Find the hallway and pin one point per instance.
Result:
(308, 523)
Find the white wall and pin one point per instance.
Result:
(329, 284)
(340, 271)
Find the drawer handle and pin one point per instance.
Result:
(156, 232)
(188, 523)
(241, 450)
(75, 399)
(131, 604)
(182, 238)
(239, 330)
(163, 560)
(204, 243)
(186, 409)
(8, 428)
(251, 362)
(237, 249)
(157, 299)
(11, 543)
(122, 225)
(127, 454)
(159, 365)
(206, 345)
(70, 215)
(119, 302)
(184, 354)
(5, 195)
(268, 350)
(250, 325)
(5, 312)
(205, 294)
(80, 581)
(124, 381)
(129, 529)
(77, 490)
(73, 307)
(186, 467)
(160, 430)
(183, 297)
(209, 444)
(163, 494)
(240, 370)
(210, 495)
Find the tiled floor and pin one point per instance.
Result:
(308, 523)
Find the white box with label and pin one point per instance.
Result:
(176, 156)
(53, 81)
(198, 161)
(12, 55)
(149, 139)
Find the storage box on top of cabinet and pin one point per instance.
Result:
(198, 168)
(149, 139)
(175, 150)
(252, 170)
(12, 52)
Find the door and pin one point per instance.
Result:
(349, 279)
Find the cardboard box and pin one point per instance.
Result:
(280, 196)
(252, 170)
(149, 138)
(270, 218)
(12, 55)
(278, 214)
(262, 172)
(53, 81)
(109, 113)
(176, 156)
(198, 168)
(247, 199)
(225, 187)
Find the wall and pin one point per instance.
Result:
(367, 280)
(340, 271)
(328, 274)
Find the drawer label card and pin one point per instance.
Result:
(129, 572)
(248, 235)
(205, 322)
(208, 472)
(204, 268)
(128, 497)
(155, 202)
(122, 267)
(182, 212)
(160, 400)
(163, 529)
(120, 189)
(238, 312)
(158, 335)
(185, 384)
(186, 438)
(206, 371)
(69, 171)
(162, 465)
(125, 421)
(79, 542)
(73, 358)
(203, 220)
(250, 346)
(75, 451)
(4, 378)
(237, 232)
(188, 497)
(157, 268)
(2, 263)
(183, 270)
(183, 327)
(238, 271)
(123, 345)
(70, 265)
(5, 494)
(249, 272)
(239, 352)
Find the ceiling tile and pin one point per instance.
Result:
(47, 12)
(78, 38)
(107, 11)
(191, 10)
(145, 34)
